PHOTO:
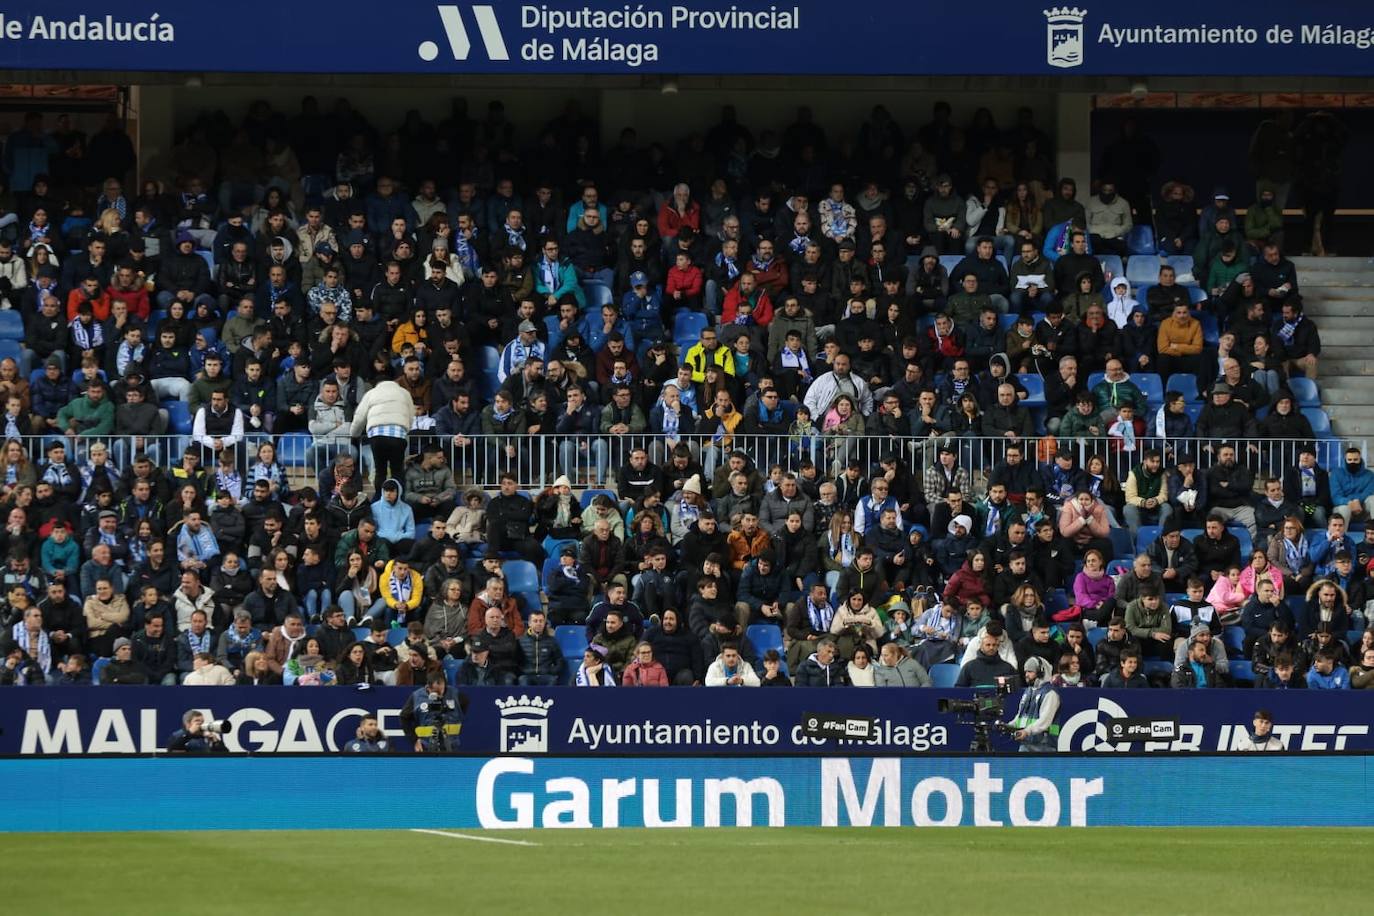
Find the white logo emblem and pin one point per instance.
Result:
(457, 34)
(1097, 739)
(524, 725)
(1064, 36)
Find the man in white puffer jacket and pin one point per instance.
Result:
(385, 415)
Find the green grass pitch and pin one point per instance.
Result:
(759, 871)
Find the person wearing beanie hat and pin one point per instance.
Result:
(123, 668)
(1035, 725)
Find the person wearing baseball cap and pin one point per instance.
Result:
(524, 347)
(642, 307)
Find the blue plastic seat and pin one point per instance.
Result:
(1123, 546)
(1149, 383)
(1096, 635)
(1006, 322)
(1211, 331)
(1142, 270)
(1111, 264)
(689, 324)
(765, 636)
(451, 666)
(1035, 389)
(573, 642)
(1242, 535)
(1183, 269)
(179, 419)
(592, 493)
(950, 261)
(1321, 423)
(1304, 390)
(944, 675)
(1185, 385)
(521, 576)
(97, 668)
(209, 258)
(10, 349)
(1234, 639)
(528, 602)
(552, 546)
(361, 633)
(11, 325)
(293, 449)
(1146, 536)
(1242, 672)
(1141, 240)
(488, 359)
(1193, 410)
(1158, 668)
(395, 636)
(1114, 567)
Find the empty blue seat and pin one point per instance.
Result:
(180, 421)
(10, 349)
(293, 449)
(209, 258)
(488, 359)
(528, 602)
(1142, 270)
(451, 666)
(1234, 639)
(1304, 389)
(1114, 567)
(573, 642)
(1123, 547)
(1141, 240)
(1056, 601)
(1111, 264)
(1321, 423)
(1193, 410)
(1242, 672)
(944, 675)
(1190, 533)
(1183, 269)
(1153, 388)
(1197, 295)
(1185, 385)
(552, 546)
(1146, 536)
(689, 324)
(521, 576)
(395, 636)
(950, 261)
(1096, 635)
(361, 633)
(1094, 378)
(765, 636)
(592, 493)
(1035, 389)
(1158, 668)
(1242, 535)
(1211, 331)
(1007, 321)
(11, 325)
(97, 667)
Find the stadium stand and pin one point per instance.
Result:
(493, 406)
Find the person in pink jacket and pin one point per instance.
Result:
(645, 670)
(1259, 568)
(1084, 522)
(1226, 594)
(1093, 590)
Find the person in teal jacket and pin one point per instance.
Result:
(1352, 489)
(60, 553)
(555, 278)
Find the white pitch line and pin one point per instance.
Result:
(468, 836)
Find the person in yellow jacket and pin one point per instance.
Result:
(1180, 343)
(706, 351)
(402, 589)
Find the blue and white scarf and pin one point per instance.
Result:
(795, 359)
(399, 588)
(671, 421)
(729, 265)
(515, 238)
(1295, 554)
(820, 617)
(43, 651)
(1289, 328)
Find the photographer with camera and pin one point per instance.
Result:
(1034, 722)
(196, 736)
(432, 719)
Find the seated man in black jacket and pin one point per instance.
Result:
(510, 517)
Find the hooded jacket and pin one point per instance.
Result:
(395, 521)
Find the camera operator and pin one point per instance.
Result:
(1034, 721)
(194, 737)
(1261, 737)
(368, 739)
(431, 718)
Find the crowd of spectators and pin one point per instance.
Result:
(800, 418)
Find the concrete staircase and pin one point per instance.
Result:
(1338, 294)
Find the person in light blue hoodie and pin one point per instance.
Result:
(395, 520)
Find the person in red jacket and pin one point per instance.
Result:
(89, 291)
(645, 670)
(126, 288)
(684, 284)
(746, 288)
(769, 271)
(680, 211)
